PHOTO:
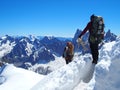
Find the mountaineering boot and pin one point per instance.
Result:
(94, 61)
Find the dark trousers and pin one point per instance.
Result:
(94, 52)
(68, 61)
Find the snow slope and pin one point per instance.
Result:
(19, 79)
(68, 76)
(108, 70)
(45, 69)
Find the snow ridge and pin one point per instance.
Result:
(68, 76)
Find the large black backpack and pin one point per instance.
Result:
(97, 34)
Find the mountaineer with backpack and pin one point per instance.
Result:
(68, 52)
(96, 35)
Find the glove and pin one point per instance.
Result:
(79, 40)
(82, 43)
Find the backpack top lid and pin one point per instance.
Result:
(96, 18)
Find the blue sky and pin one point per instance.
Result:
(55, 17)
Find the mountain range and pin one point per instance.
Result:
(24, 51)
